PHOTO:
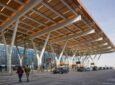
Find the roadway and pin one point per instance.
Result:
(103, 77)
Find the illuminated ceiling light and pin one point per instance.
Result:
(46, 21)
(112, 50)
(27, 43)
(55, 17)
(66, 12)
(31, 13)
(105, 44)
(2, 9)
(99, 39)
(49, 1)
(90, 32)
(8, 2)
(109, 47)
(77, 19)
(23, 19)
(40, 7)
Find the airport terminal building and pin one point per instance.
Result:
(49, 32)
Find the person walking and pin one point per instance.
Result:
(27, 72)
(20, 73)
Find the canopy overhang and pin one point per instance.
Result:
(64, 19)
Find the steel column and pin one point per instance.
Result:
(43, 49)
(61, 54)
(6, 47)
(71, 61)
(20, 59)
(53, 51)
(98, 58)
(19, 56)
(36, 52)
(11, 47)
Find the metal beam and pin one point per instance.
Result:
(100, 51)
(9, 8)
(25, 23)
(72, 36)
(26, 9)
(34, 20)
(18, 1)
(49, 7)
(65, 3)
(11, 28)
(42, 15)
(58, 26)
(2, 20)
(4, 15)
(81, 43)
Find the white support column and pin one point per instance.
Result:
(71, 61)
(61, 54)
(6, 47)
(68, 59)
(86, 62)
(12, 44)
(20, 60)
(99, 57)
(36, 52)
(80, 56)
(84, 59)
(53, 52)
(20, 57)
(95, 56)
(63, 50)
(91, 58)
(43, 49)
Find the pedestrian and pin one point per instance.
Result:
(27, 72)
(20, 73)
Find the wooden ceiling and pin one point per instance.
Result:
(64, 19)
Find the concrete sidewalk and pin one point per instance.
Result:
(105, 77)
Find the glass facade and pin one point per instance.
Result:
(29, 57)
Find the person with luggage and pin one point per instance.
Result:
(20, 72)
(27, 72)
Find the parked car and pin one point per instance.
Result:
(88, 69)
(80, 69)
(94, 68)
(61, 70)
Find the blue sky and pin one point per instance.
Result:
(103, 11)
